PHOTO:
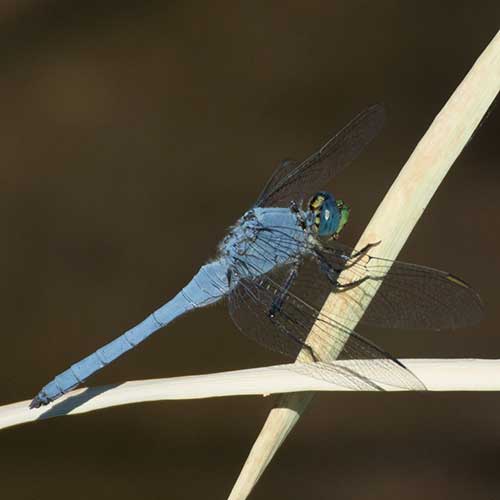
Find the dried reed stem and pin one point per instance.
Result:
(437, 375)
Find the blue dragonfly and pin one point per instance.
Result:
(281, 260)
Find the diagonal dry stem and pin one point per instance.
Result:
(391, 224)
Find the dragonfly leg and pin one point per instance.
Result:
(359, 254)
(366, 249)
(295, 209)
(333, 274)
(328, 270)
(352, 284)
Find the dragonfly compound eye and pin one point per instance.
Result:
(326, 214)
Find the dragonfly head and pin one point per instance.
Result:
(329, 215)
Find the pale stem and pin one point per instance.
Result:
(436, 374)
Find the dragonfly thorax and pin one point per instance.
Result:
(264, 238)
(241, 235)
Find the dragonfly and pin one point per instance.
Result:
(282, 259)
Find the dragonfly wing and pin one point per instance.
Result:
(299, 181)
(402, 295)
(284, 170)
(285, 329)
(405, 295)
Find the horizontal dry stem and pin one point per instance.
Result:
(437, 375)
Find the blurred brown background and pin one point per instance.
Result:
(131, 135)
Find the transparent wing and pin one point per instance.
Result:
(402, 295)
(253, 307)
(409, 296)
(298, 181)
